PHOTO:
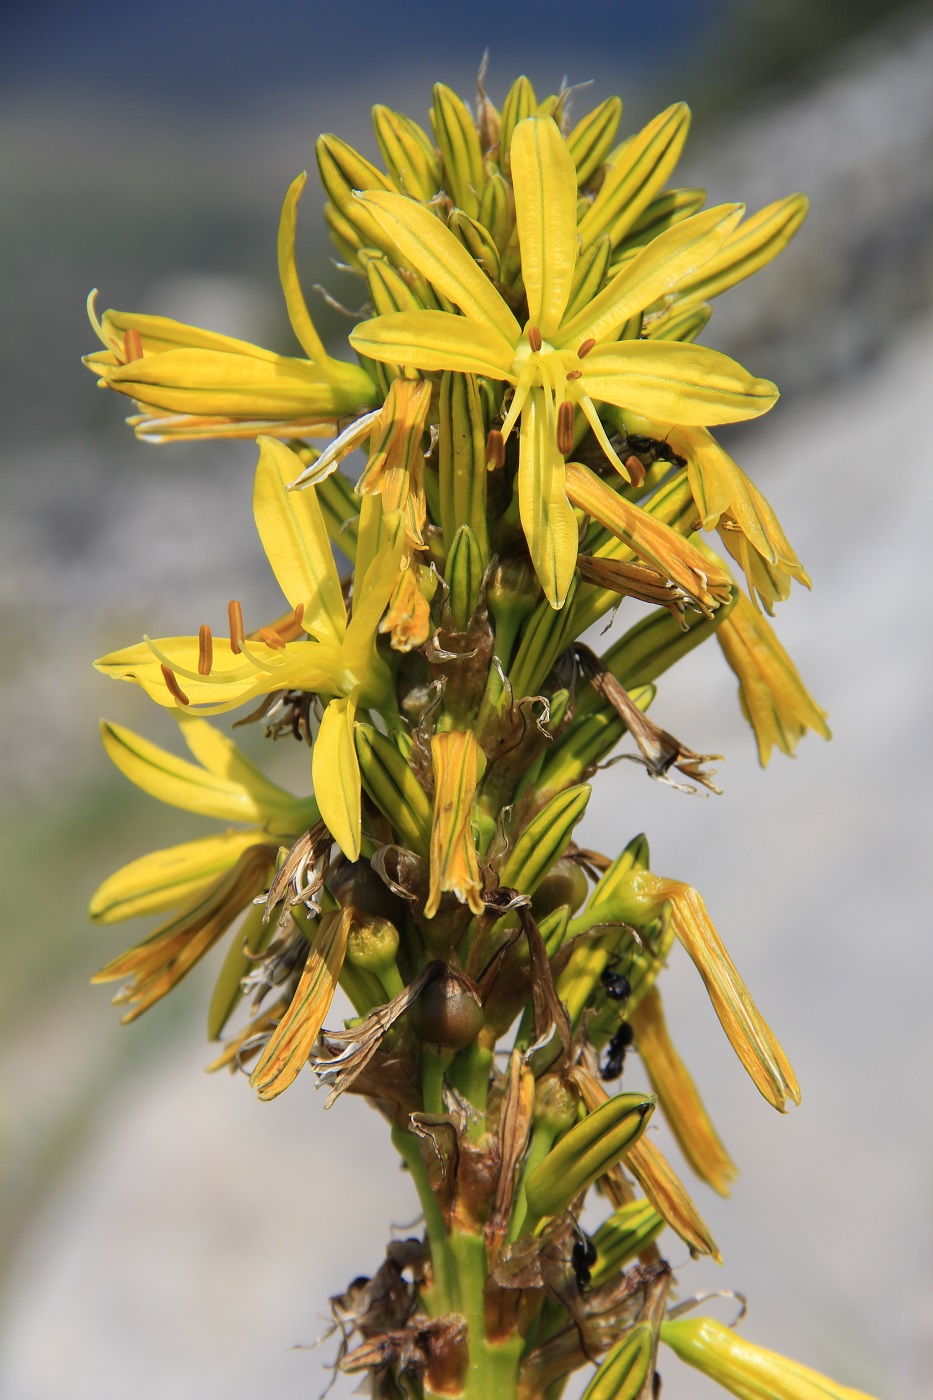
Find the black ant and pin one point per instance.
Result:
(615, 1052)
(615, 984)
(582, 1259)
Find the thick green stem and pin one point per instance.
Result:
(441, 1299)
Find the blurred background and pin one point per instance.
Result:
(161, 1231)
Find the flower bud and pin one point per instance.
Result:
(586, 1151)
(373, 944)
(628, 1366)
(544, 839)
(625, 1234)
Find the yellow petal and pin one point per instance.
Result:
(297, 308)
(459, 763)
(748, 1371)
(182, 784)
(434, 340)
(667, 259)
(752, 246)
(773, 697)
(545, 184)
(548, 521)
(374, 589)
(675, 382)
(335, 771)
(218, 754)
(293, 1039)
(442, 259)
(296, 542)
(164, 879)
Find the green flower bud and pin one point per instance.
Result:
(564, 884)
(627, 1368)
(464, 575)
(394, 788)
(625, 1234)
(544, 839)
(588, 1150)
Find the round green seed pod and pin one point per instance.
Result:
(448, 1012)
(355, 882)
(565, 883)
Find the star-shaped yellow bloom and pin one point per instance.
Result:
(568, 356)
(337, 659)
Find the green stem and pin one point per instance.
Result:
(434, 1064)
(441, 1299)
(542, 1140)
(470, 1075)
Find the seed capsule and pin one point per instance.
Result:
(448, 1012)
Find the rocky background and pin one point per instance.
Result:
(161, 1231)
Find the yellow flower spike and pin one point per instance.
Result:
(558, 368)
(678, 1095)
(294, 1037)
(335, 772)
(169, 953)
(748, 1371)
(459, 764)
(773, 697)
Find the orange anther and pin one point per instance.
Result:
(535, 338)
(574, 374)
(271, 638)
(173, 688)
(585, 349)
(237, 631)
(205, 650)
(299, 614)
(636, 469)
(565, 428)
(495, 449)
(132, 345)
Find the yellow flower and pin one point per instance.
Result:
(222, 784)
(748, 1371)
(459, 764)
(337, 660)
(568, 354)
(191, 383)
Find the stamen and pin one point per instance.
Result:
(172, 686)
(585, 349)
(636, 469)
(237, 630)
(574, 374)
(495, 449)
(299, 614)
(565, 428)
(205, 650)
(132, 346)
(535, 338)
(271, 638)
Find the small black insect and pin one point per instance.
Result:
(615, 1052)
(582, 1259)
(615, 984)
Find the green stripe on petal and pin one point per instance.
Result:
(655, 270)
(547, 518)
(182, 784)
(217, 752)
(751, 247)
(433, 341)
(545, 184)
(678, 383)
(636, 173)
(297, 307)
(335, 771)
(440, 257)
(294, 536)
